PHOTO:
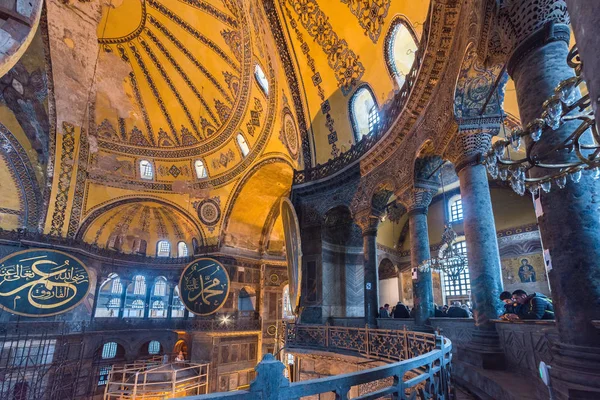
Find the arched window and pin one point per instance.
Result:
(154, 347)
(201, 171)
(261, 78)
(139, 246)
(182, 250)
(146, 170)
(139, 285)
(401, 43)
(460, 286)
(117, 287)
(137, 304)
(287, 312)
(109, 350)
(455, 208)
(364, 113)
(243, 145)
(163, 248)
(160, 287)
(177, 309)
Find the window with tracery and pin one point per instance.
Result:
(243, 144)
(146, 170)
(182, 249)
(139, 285)
(201, 171)
(154, 347)
(261, 78)
(364, 113)
(163, 248)
(109, 350)
(455, 208)
(160, 287)
(117, 287)
(459, 285)
(401, 43)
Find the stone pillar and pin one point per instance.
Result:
(99, 281)
(585, 20)
(569, 224)
(125, 284)
(419, 251)
(147, 304)
(483, 257)
(368, 224)
(171, 297)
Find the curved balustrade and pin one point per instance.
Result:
(423, 369)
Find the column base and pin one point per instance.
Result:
(484, 351)
(575, 372)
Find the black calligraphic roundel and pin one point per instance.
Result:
(204, 286)
(41, 283)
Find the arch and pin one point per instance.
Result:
(364, 112)
(242, 144)
(105, 207)
(387, 269)
(163, 248)
(181, 346)
(146, 170)
(261, 79)
(108, 302)
(182, 249)
(232, 201)
(30, 196)
(201, 171)
(401, 44)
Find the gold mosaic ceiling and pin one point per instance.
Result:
(187, 72)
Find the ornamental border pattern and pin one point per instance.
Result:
(81, 176)
(364, 10)
(64, 179)
(291, 77)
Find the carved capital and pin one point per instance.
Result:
(367, 221)
(469, 146)
(521, 26)
(417, 200)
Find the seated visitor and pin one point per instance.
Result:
(180, 357)
(384, 312)
(456, 311)
(510, 306)
(533, 306)
(445, 309)
(401, 311)
(438, 312)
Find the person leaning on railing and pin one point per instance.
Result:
(533, 306)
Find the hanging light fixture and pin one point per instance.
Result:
(449, 260)
(564, 105)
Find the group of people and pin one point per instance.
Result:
(520, 305)
(400, 310)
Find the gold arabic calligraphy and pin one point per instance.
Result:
(203, 285)
(60, 283)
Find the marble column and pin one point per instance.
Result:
(99, 281)
(585, 20)
(483, 257)
(147, 304)
(419, 251)
(368, 224)
(124, 284)
(170, 301)
(569, 223)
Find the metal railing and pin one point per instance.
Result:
(421, 370)
(150, 379)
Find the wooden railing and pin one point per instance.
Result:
(421, 370)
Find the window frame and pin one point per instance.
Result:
(245, 151)
(109, 350)
(197, 164)
(264, 85)
(462, 287)
(396, 23)
(144, 167)
(352, 112)
(164, 252)
(460, 216)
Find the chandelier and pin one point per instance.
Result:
(450, 260)
(566, 104)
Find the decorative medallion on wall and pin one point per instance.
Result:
(289, 135)
(272, 330)
(204, 286)
(274, 278)
(209, 212)
(41, 283)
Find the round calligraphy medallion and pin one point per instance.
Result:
(204, 286)
(42, 283)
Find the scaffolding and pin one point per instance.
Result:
(153, 380)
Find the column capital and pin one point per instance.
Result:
(368, 221)
(417, 200)
(521, 26)
(469, 146)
